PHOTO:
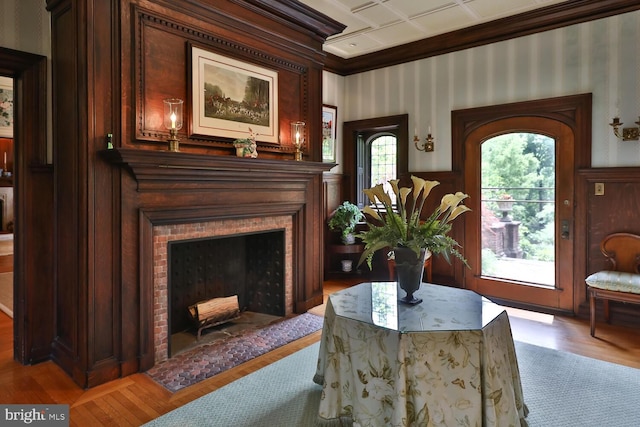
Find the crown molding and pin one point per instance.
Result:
(536, 21)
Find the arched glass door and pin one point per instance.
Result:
(518, 237)
(518, 208)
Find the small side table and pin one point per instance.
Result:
(351, 252)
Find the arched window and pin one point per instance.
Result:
(383, 159)
(374, 151)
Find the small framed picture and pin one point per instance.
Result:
(329, 120)
(6, 107)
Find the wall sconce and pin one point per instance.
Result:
(429, 144)
(173, 121)
(297, 138)
(628, 134)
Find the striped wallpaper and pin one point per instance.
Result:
(600, 57)
(25, 26)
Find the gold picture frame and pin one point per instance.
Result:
(229, 97)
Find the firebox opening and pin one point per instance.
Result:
(250, 266)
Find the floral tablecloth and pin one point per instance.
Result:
(449, 361)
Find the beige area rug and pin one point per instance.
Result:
(6, 293)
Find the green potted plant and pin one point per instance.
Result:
(344, 219)
(409, 237)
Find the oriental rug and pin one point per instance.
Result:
(210, 359)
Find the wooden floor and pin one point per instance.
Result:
(136, 399)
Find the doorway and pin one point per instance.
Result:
(33, 308)
(497, 244)
(535, 287)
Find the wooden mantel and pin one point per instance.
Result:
(148, 166)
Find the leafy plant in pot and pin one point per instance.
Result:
(409, 237)
(344, 219)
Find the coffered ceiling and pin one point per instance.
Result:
(374, 25)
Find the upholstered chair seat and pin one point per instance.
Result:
(622, 281)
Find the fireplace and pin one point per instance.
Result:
(170, 197)
(249, 267)
(260, 275)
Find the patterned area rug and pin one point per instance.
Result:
(207, 360)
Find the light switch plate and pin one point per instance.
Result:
(599, 189)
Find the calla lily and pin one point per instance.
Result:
(404, 192)
(372, 212)
(369, 193)
(457, 211)
(394, 185)
(428, 186)
(418, 185)
(451, 200)
(401, 228)
(381, 195)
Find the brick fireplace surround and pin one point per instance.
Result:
(163, 234)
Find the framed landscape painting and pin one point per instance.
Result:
(6, 107)
(232, 97)
(329, 116)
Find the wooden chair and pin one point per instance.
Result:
(622, 282)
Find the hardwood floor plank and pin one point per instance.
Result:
(83, 416)
(145, 405)
(102, 390)
(615, 344)
(126, 413)
(96, 410)
(6, 263)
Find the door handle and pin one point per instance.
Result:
(564, 231)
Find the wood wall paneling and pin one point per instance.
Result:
(162, 69)
(113, 64)
(69, 341)
(615, 211)
(332, 187)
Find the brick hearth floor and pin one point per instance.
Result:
(207, 360)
